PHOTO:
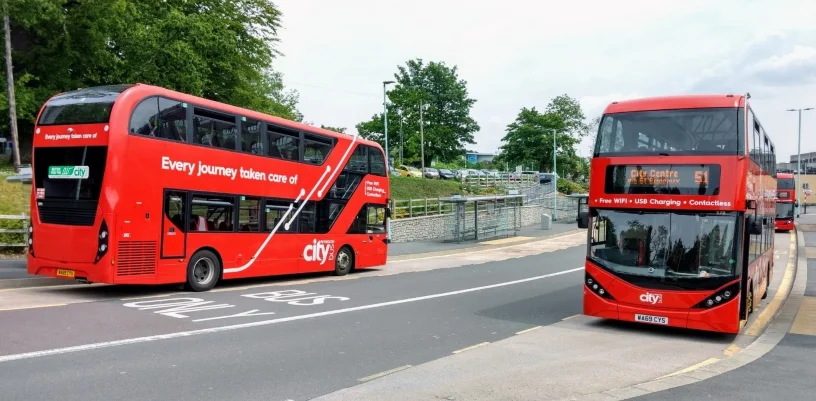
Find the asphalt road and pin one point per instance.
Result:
(304, 339)
(296, 359)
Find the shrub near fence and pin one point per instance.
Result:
(13, 232)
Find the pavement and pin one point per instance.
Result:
(787, 370)
(500, 322)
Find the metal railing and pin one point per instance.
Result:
(13, 231)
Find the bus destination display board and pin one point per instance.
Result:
(663, 179)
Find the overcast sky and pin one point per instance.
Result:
(517, 54)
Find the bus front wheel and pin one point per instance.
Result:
(203, 271)
(343, 262)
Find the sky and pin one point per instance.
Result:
(516, 54)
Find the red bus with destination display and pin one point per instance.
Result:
(785, 201)
(137, 184)
(680, 213)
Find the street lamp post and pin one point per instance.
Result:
(421, 137)
(385, 140)
(799, 193)
(402, 144)
(555, 181)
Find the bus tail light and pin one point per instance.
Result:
(596, 287)
(102, 247)
(31, 238)
(720, 297)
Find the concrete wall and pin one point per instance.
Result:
(434, 227)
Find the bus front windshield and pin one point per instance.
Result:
(784, 210)
(714, 131)
(665, 245)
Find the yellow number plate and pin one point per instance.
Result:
(65, 273)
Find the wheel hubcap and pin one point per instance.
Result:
(203, 271)
(343, 260)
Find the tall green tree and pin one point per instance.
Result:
(221, 50)
(447, 125)
(529, 138)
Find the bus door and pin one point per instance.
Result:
(174, 225)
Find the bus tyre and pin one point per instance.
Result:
(344, 261)
(767, 283)
(203, 271)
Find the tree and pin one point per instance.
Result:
(335, 129)
(593, 133)
(220, 50)
(447, 125)
(529, 137)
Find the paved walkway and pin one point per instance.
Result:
(786, 372)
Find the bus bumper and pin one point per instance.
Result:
(721, 319)
(99, 272)
(784, 225)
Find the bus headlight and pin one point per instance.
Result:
(102, 246)
(596, 287)
(718, 298)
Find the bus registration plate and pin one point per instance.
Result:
(65, 273)
(651, 319)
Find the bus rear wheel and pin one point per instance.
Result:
(343, 262)
(203, 271)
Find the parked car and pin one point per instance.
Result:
(431, 172)
(446, 174)
(411, 171)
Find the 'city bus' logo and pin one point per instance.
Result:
(319, 251)
(650, 298)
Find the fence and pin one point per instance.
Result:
(13, 231)
(488, 181)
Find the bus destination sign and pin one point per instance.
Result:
(671, 179)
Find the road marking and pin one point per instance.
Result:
(471, 347)
(32, 307)
(137, 340)
(732, 349)
(773, 307)
(528, 330)
(381, 374)
(691, 368)
(570, 317)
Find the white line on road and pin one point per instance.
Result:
(107, 344)
(381, 374)
(459, 351)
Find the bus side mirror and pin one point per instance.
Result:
(754, 226)
(387, 212)
(583, 220)
(583, 213)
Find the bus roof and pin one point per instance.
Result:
(675, 102)
(111, 93)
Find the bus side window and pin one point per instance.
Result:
(375, 223)
(174, 209)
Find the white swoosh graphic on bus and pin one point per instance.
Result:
(292, 206)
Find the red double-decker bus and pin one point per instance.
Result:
(785, 201)
(680, 213)
(136, 184)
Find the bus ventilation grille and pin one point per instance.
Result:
(67, 213)
(136, 258)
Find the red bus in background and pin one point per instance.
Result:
(137, 184)
(680, 213)
(785, 201)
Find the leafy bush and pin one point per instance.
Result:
(569, 187)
